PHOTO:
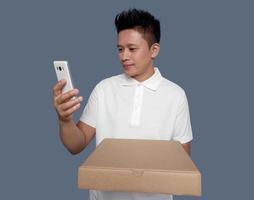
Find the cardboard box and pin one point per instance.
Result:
(128, 165)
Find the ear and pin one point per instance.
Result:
(155, 48)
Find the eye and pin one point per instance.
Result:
(133, 49)
(120, 50)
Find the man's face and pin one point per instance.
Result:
(135, 55)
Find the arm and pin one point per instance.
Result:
(74, 137)
(183, 130)
(187, 147)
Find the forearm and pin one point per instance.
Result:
(72, 137)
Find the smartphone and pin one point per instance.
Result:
(63, 72)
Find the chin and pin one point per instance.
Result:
(131, 73)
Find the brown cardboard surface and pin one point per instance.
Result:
(128, 165)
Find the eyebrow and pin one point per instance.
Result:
(128, 45)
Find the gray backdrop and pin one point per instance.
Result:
(206, 47)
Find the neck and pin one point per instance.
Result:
(146, 75)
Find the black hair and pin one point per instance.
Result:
(141, 21)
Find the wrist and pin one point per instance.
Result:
(64, 121)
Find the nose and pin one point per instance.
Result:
(124, 55)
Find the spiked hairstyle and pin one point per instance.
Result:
(142, 21)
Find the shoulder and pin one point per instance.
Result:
(173, 92)
(172, 88)
(110, 82)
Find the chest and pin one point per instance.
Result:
(138, 107)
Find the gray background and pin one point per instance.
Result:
(206, 47)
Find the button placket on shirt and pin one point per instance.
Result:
(137, 105)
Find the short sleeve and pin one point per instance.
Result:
(182, 127)
(89, 115)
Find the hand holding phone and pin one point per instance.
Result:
(65, 100)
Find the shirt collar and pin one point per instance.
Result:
(152, 83)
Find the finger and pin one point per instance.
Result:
(70, 111)
(69, 104)
(57, 89)
(66, 96)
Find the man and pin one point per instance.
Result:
(138, 104)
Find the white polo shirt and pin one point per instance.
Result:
(121, 107)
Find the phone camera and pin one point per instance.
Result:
(60, 68)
